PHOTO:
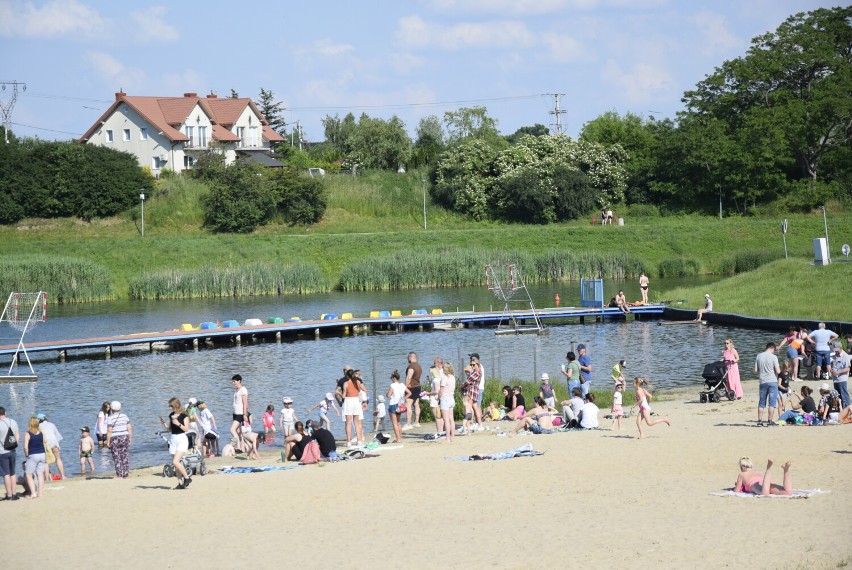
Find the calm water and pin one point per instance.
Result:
(70, 393)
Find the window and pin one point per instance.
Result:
(202, 137)
(188, 161)
(241, 133)
(143, 134)
(252, 136)
(109, 136)
(190, 132)
(126, 135)
(158, 163)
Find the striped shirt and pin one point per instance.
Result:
(118, 422)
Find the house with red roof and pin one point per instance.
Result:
(169, 132)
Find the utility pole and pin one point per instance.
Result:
(557, 112)
(299, 128)
(6, 108)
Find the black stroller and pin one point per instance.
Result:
(714, 378)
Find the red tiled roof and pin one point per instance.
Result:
(167, 114)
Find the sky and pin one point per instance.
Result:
(406, 58)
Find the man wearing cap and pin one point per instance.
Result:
(708, 307)
(52, 437)
(8, 456)
(585, 370)
(822, 338)
(240, 406)
(840, 362)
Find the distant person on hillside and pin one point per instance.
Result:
(609, 216)
(708, 308)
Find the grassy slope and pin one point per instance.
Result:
(379, 213)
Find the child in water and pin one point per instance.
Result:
(269, 422)
(617, 410)
(87, 445)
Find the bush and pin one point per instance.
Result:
(642, 211)
(679, 267)
(522, 196)
(239, 200)
(747, 261)
(574, 194)
(300, 199)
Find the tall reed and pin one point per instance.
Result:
(230, 281)
(64, 279)
(465, 267)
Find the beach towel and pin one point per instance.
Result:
(230, 469)
(797, 494)
(522, 451)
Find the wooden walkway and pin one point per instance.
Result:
(315, 328)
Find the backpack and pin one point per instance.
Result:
(311, 454)
(10, 442)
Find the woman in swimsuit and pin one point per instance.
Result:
(750, 481)
(643, 399)
(537, 420)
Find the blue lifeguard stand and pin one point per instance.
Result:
(592, 293)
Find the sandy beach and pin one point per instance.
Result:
(597, 499)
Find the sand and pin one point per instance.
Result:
(600, 499)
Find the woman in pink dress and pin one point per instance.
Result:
(731, 358)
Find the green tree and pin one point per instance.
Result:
(273, 110)
(473, 123)
(300, 199)
(462, 179)
(793, 83)
(537, 130)
(377, 143)
(429, 141)
(234, 94)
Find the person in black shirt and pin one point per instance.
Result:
(178, 425)
(326, 442)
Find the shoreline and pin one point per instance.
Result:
(409, 507)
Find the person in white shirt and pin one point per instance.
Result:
(589, 414)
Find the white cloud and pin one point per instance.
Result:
(644, 83)
(414, 32)
(715, 36)
(54, 19)
(513, 7)
(562, 48)
(152, 26)
(404, 62)
(117, 74)
(324, 48)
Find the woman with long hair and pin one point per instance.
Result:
(397, 393)
(178, 425)
(35, 453)
(295, 443)
(732, 359)
(101, 424)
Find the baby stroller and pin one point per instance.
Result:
(192, 460)
(714, 378)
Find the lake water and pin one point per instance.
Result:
(70, 393)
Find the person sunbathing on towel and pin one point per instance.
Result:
(537, 420)
(750, 481)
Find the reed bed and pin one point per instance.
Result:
(230, 281)
(64, 279)
(465, 267)
(679, 267)
(744, 261)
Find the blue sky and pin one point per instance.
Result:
(409, 58)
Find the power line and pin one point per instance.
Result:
(6, 108)
(414, 105)
(45, 129)
(557, 111)
(65, 97)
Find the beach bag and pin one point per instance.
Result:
(401, 408)
(10, 442)
(311, 454)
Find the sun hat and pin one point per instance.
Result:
(193, 401)
(707, 295)
(287, 400)
(329, 396)
(545, 376)
(381, 398)
(115, 406)
(824, 387)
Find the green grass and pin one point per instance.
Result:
(785, 289)
(65, 279)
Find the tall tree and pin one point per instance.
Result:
(273, 110)
(472, 123)
(795, 81)
(429, 141)
(234, 94)
(537, 130)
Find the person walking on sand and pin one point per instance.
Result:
(732, 359)
(178, 425)
(240, 406)
(708, 308)
(412, 384)
(643, 286)
(8, 455)
(352, 412)
(750, 481)
(118, 440)
(436, 374)
(766, 366)
(643, 400)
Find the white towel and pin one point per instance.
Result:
(797, 494)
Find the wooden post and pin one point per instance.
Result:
(278, 336)
(63, 354)
(195, 343)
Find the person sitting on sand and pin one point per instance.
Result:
(750, 481)
(589, 413)
(799, 405)
(539, 419)
(295, 444)
(829, 404)
(571, 408)
(515, 404)
(708, 308)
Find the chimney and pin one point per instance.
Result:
(190, 94)
(120, 95)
